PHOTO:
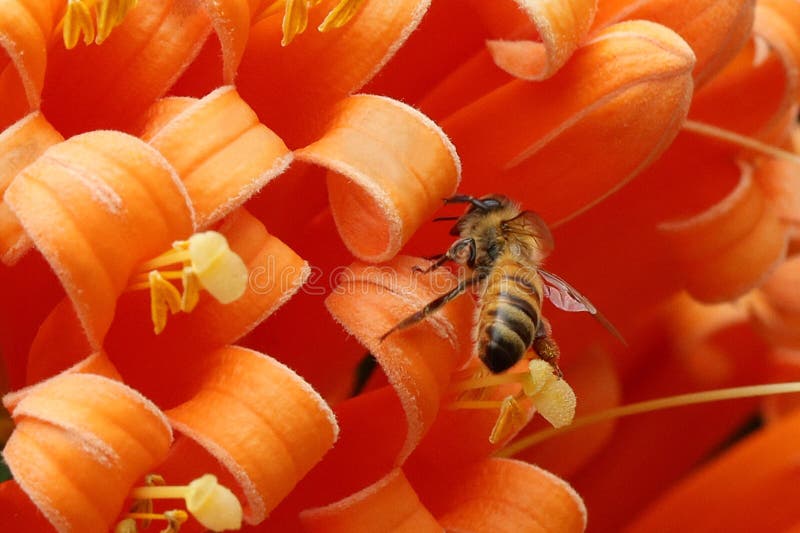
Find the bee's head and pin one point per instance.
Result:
(477, 208)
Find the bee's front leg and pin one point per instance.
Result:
(462, 251)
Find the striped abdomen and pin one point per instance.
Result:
(510, 313)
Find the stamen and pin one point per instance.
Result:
(511, 418)
(295, 16)
(740, 140)
(340, 15)
(95, 19)
(695, 398)
(552, 397)
(210, 503)
(206, 263)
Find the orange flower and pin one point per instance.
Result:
(147, 146)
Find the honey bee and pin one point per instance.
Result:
(504, 247)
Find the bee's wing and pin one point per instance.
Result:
(530, 224)
(566, 297)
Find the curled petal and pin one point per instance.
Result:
(768, 66)
(418, 360)
(80, 443)
(20, 145)
(715, 348)
(136, 65)
(25, 29)
(96, 363)
(730, 247)
(503, 495)
(266, 450)
(340, 61)
(390, 504)
(82, 198)
(747, 488)
(231, 155)
(231, 21)
(561, 25)
(776, 306)
(715, 29)
(390, 167)
(634, 90)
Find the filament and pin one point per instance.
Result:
(694, 398)
(741, 140)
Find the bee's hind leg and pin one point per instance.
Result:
(546, 348)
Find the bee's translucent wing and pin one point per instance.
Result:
(565, 297)
(530, 224)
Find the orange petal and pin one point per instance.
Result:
(715, 29)
(95, 206)
(767, 66)
(20, 145)
(319, 69)
(18, 511)
(629, 86)
(96, 363)
(784, 366)
(776, 305)
(390, 169)
(59, 343)
(370, 300)
(433, 50)
(267, 450)
(387, 505)
(748, 488)
(25, 29)
(372, 432)
(147, 360)
(561, 27)
(80, 443)
(231, 21)
(730, 247)
(233, 158)
(503, 495)
(109, 86)
(695, 347)
(461, 436)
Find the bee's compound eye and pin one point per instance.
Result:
(491, 203)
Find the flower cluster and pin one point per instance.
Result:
(172, 172)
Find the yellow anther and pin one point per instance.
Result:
(210, 503)
(95, 19)
(191, 290)
(511, 419)
(295, 20)
(206, 263)
(126, 526)
(77, 21)
(295, 16)
(164, 297)
(552, 396)
(340, 15)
